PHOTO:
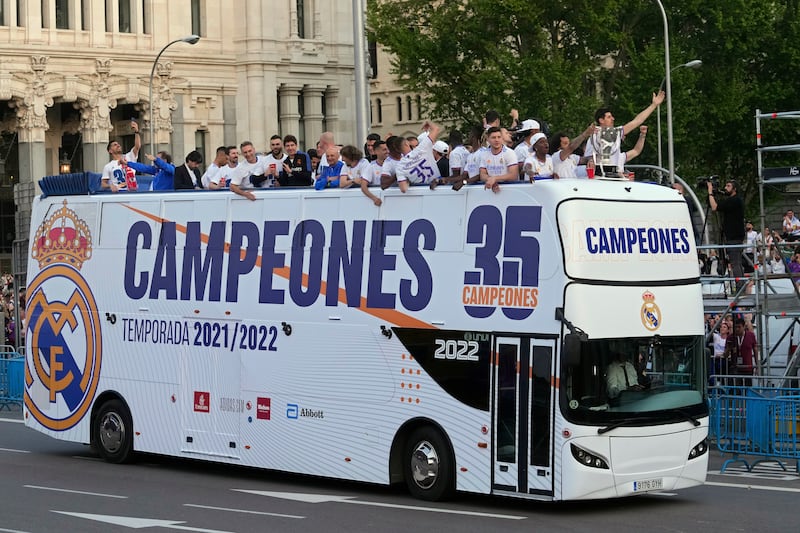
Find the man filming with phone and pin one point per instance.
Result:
(731, 206)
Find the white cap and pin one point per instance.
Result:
(441, 147)
(528, 125)
(537, 137)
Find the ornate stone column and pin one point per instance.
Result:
(96, 115)
(312, 113)
(290, 110)
(31, 114)
(162, 107)
(331, 107)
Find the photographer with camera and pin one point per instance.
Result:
(731, 206)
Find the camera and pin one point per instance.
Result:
(714, 180)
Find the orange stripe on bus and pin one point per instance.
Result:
(390, 315)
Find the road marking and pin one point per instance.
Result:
(12, 421)
(753, 487)
(11, 531)
(326, 498)
(246, 511)
(12, 450)
(56, 489)
(138, 523)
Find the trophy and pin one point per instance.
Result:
(606, 144)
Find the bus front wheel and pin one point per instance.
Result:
(429, 471)
(113, 432)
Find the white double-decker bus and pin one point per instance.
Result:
(542, 342)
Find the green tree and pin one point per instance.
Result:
(560, 61)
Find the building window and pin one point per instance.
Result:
(45, 13)
(62, 14)
(408, 108)
(197, 19)
(2, 14)
(124, 16)
(372, 47)
(305, 29)
(419, 107)
(301, 19)
(146, 17)
(379, 109)
(399, 109)
(200, 145)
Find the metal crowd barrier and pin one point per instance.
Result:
(12, 366)
(755, 420)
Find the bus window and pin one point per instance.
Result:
(635, 375)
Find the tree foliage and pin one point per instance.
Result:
(558, 61)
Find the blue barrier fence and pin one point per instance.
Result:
(758, 421)
(12, 374)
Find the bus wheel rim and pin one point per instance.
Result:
(425, 465)
(112, 432)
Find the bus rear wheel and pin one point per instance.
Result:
(113, 432)
(429, 471)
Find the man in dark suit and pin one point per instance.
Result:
(187, 176)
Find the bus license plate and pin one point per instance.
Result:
(648, 484)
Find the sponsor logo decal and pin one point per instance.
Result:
(294, 411)
(202, 402)
(263, 408)
(63, 325)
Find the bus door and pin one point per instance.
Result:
(210, 380)
(522, 410)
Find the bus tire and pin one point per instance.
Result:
(428, 465)
(113, 432)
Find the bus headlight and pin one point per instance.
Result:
(698, 450)
(587, 459)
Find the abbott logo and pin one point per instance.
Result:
(292, 411)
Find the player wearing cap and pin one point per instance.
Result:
(440, 150)
(523, 150)
(539, 165)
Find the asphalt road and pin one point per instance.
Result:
(52, 486)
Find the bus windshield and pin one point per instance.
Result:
(649, 380)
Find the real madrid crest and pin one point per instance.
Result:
(650, 313)
(65, 351)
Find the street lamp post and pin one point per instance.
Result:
(670, 147)
(360, 71)
(694, 63)
(191, 39)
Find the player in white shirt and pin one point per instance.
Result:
(226, 172)
(524, 148)
(605, 144)
(418, 165)
(381, 152)
(252, 167)
(211, 177)
(498, 162)
(458, 153)
(565, 162)
(356, 171)
(274, 159)
(326, 141)
(539, 165)
(113, 176)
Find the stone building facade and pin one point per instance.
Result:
(73, 73)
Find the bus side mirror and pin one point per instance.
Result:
(571, 351)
